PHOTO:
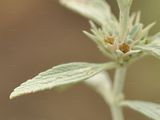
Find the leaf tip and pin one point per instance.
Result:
(64, 2)
(16, 93)
(12, 95)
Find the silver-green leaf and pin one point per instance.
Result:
(96, 10)
(151, 50)
(102, 84)
(61, 75)
(149, 109)
(153, 47)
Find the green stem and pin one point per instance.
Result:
(117, 112)
(119, 80)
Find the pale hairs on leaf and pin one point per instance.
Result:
(61, 75)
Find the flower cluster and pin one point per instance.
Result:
(107, 37)
(106, 31)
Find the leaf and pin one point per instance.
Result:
(135, 30)
(156, 37)
(60, 75)
(149, 109)
(152, 48)
(65, 87)
(147, 29)
(96, 10)
(102, 84)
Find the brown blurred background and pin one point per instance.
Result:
(38, 34)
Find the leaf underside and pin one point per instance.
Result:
(153, 48)
(96, 10)
(149, 109)
(102, 84)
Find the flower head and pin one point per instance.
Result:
(107, 32)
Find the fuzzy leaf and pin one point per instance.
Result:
(149, 109)
(60, 75)
(101, 78)
(96, 10)
(135, 30)
(102, 84)
(153, 48)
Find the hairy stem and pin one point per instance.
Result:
(117, 113)
(118, 86)
(119, 80)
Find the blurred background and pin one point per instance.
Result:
(38, 34)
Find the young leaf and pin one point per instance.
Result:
(135, 30)
(60, 75)
(149, 109)
(102, 84)
(152, 48)
(99, 80)
(96, 10)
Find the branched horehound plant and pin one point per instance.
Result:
(124, 41)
